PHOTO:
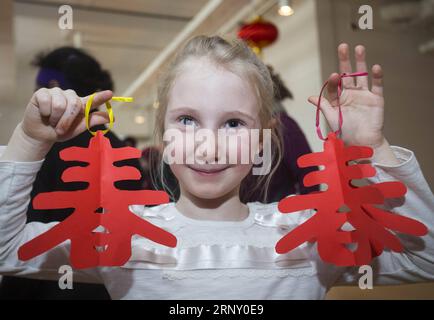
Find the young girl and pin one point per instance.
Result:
(225, 247)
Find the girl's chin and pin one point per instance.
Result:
(208, 195)
(208, 191)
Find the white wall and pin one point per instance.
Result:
(296, 57)
(305, 54)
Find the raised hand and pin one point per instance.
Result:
(56, 115)
(362, 108)
(52, 115)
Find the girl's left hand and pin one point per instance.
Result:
(362, 109)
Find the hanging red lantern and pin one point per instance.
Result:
(258, 34)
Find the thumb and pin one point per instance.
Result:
(95, 118)
(325, 106)
(98, 118)
(313, 100)
(326, 109)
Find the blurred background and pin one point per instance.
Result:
(135, 39)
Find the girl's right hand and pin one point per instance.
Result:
(57, 115)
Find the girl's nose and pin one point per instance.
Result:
(207, 150)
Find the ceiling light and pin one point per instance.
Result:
(284, 8)
(139, 119)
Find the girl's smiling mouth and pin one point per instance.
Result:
(208, 170)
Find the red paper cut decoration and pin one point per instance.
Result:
(89, 247)
(369, 222)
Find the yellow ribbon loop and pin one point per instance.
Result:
(109, 110)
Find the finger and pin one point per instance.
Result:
(58, 106)
(95, 118)
(73, 108)
(377, 80)
(345, 64)
(42, 100)
(332, 87)
(326, 109)
(98, 99)
(360, 54)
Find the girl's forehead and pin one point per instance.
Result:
(202, 84)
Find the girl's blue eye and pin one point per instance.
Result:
(233, 123)
(186, 121)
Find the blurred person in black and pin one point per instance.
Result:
(130, 142)
(67, 68)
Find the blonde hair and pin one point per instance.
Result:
(238, 58)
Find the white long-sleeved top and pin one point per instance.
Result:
(220, 260)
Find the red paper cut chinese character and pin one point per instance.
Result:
(90, 248)
(369, 222)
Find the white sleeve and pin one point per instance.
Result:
(416, 262)
(16, 180)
